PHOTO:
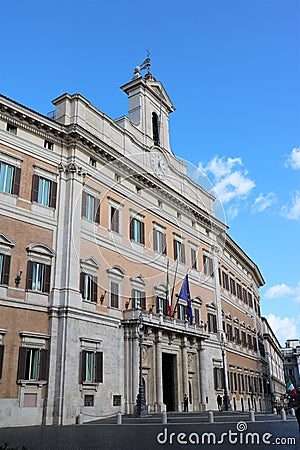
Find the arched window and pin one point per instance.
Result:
(155, 128)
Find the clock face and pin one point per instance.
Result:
(158, 165)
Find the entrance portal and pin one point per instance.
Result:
(169, 377)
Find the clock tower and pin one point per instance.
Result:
(149, 108)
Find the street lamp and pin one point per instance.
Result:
(226, 400)
(141, 408)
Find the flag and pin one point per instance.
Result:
(184, 294)
(168, 293)
(291, 387)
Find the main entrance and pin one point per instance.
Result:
(169, 377)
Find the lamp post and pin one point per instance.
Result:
(141, 408)
(226, 400)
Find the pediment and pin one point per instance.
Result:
(139, 279)
(6, 241)
(90, 261)
(41, 249)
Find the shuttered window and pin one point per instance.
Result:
(138, 299)
(9, 178)
(43, 191)
(91, 367)
(137, 231)
(159, 242)
(212, 323)
(89, 287)
(218, 378)
(114, 219)
(90, 208)
(114, 295)
(38, 277)
(33, 364)
(179, 251)
(4, 269)
(207, 265)
(1, 359)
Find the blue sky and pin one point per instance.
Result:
(232, 70)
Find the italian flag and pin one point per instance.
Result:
(168, 293)
(291, 387)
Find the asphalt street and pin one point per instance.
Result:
(182, 431)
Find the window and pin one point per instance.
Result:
(178, 215)
(244, 343)
(197, 316)
(229, 332)
(90, 207)
(207, 265)
(182, 312)
(11, 128)
(138, 299)
(1, 359)
(91, 366)
(194, 262)
(232, 286)
(9, 178)
(89, 287)
(88, 400)
(93, 162)
(239, 291)
(244, 294)
(114, 219)
(162, 305)
(250, 300)
(117, 400)
(137, 231)
(33, 364)
(225, 280)
(155, 128)
(241, 382)
(114, 295)
(48, 144)
(250, 341)
(179, 252)
(159, 242)
(4, 269)
(237, 336)
(218, 377)
(212, 323)
(43, 191)
(38, 276)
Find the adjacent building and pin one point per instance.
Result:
(275, 385)
(291, 362)
(96, 215)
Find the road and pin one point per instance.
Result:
(189, 431)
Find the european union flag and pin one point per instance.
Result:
(185, 295)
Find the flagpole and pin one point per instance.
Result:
(174, 281)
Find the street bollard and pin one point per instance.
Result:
(119, 418)
(283, 414)
(292, 412)
(210, 417)
(164, 418)
(251, 415)
(79, 419)
(274, 411)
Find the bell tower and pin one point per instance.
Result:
(149, 107)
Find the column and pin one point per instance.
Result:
(159, 378)
(203, 377)
(185, 371)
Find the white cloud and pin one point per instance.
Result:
(284, 328)
(279, 291)
(292, 212)
(293, 160)
(264, 201)
(283, 291)
(231, 183)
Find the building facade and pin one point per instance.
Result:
(96, 213)
(291, 363)
(275, 385)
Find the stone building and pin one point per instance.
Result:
(275, 384)
(95, 214)
(291, 362)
